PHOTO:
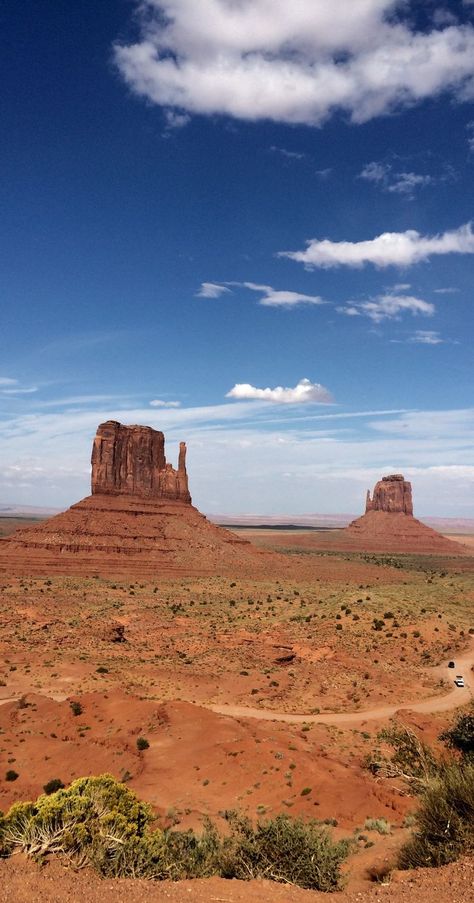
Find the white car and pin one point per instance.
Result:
(459, 680)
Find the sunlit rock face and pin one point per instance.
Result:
(392, 494)
(130, 460)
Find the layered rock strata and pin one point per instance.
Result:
(391, 494)
(388, 524)
(139, 520)
(130, 460)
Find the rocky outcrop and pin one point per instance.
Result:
(139, 521)
(391, 494)
(130, 460)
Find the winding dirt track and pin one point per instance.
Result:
(457, 697)
(445, 703)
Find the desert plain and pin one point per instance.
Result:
(265, 694)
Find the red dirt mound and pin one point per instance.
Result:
(116, 534)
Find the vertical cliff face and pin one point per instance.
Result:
(391, 494)
(130, 460)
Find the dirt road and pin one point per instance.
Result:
(445, 703)
(457, 697)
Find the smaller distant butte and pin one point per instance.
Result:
(388, 524)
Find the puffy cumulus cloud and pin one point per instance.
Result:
(388, 307)
(401, 249)
(305, 392)
(292, 62)
(158, 403)
(212, 290)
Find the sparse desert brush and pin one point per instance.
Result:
(101, 823)
(380, 825)
(283, 849)
(461, 735)
(445, 820)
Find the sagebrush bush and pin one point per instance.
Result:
(444, 821)
(283, 849)
(100, 822)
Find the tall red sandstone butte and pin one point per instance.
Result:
(139, 520)
(130, 460)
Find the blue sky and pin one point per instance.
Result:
(203, 200)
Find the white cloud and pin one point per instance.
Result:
(401, 249)
(158, 403)
(176, 120)
(9, 386)
(426, 337)
(269, 296)
(470, 129)
(212, 290)
(292, 62)
(383, 175)
(305, 392)
(289, 155)
(388, 307)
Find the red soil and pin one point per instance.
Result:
(112, 535)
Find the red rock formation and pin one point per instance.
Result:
(130, 460)
(388, 524)
(391, 494)
(138, 521)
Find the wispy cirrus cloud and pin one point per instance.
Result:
(10, 386)
(426, 337)
(269, 296)
(159, 403)
(389, 306)
(305, 392)
(318, 460)
(293, 62)
(287, 154)
(402, 249)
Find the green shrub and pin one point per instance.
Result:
(76, 708)
(283, 849)
(380, 825)
(92, 819)
(461, 735)
(142, 743)
(445, 820)
(100, 823)
(11, 775)
(53, 785)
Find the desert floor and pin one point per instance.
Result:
(265, 696)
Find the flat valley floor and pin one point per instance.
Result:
(262, 695)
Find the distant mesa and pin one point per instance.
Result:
(389, 525)
(139, 520)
